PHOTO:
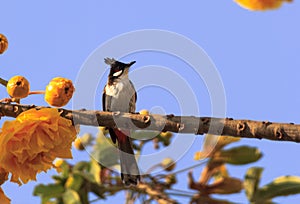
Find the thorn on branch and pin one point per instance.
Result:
(116, 113)
(146, 119)
(31, 106)
(241, 127)
(61, 111)
(205, 121)
(180, 126)
(16, 109)
(278, 133)
(169, 116)
(266, 123)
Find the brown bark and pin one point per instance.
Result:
(181, 124)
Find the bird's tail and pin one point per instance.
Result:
(129, 169)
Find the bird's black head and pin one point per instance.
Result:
(117, 69)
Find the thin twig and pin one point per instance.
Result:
(36, 92)
(180, 191)
(3, 82)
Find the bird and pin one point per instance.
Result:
(119, 94)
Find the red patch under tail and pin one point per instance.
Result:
(121, 134)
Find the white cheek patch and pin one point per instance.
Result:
(118, 73)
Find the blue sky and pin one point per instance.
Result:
(255, 53)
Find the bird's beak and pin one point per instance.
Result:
(131, 63)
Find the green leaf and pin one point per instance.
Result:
(51, 189)
(99, 190)
(65, 169)
(71, 197)
(251, 182)
(88, 170)
(214, 143)
(208, 200)
(95, 170)
(86, 139)
(209, 145)
(58, 179)
(281, 186)
(105, 152)
(144, 135)
(221, 172)
(226, 185)
(46, 192)
(238, 155)
(74, 181)
(81, 166)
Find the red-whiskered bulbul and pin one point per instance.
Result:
(119, 95)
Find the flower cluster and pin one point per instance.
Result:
(31, 143)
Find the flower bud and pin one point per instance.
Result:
(168, 164)
(167, 135)
(144, 112)
(170, 179)
(59, 91)
(58, 162)
(78, 144)
(18, 87)
(3, 43)
(261, 5)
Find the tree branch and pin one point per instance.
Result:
(3, 82)
(180, 124)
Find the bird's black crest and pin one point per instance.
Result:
(116, 66)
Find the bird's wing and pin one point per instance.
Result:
(132, 101)
(106, 103)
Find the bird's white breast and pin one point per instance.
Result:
(121, 92)
(114, 89)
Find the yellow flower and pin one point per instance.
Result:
(198, 156)
(261, 5)
(78, 144)
(30, 143)
(58, 163)
(3, 176)
(144, 112)
(18, 87)
(166, 135)
(168, 164)
(59, 91)
(3, 198)
(3, 43)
